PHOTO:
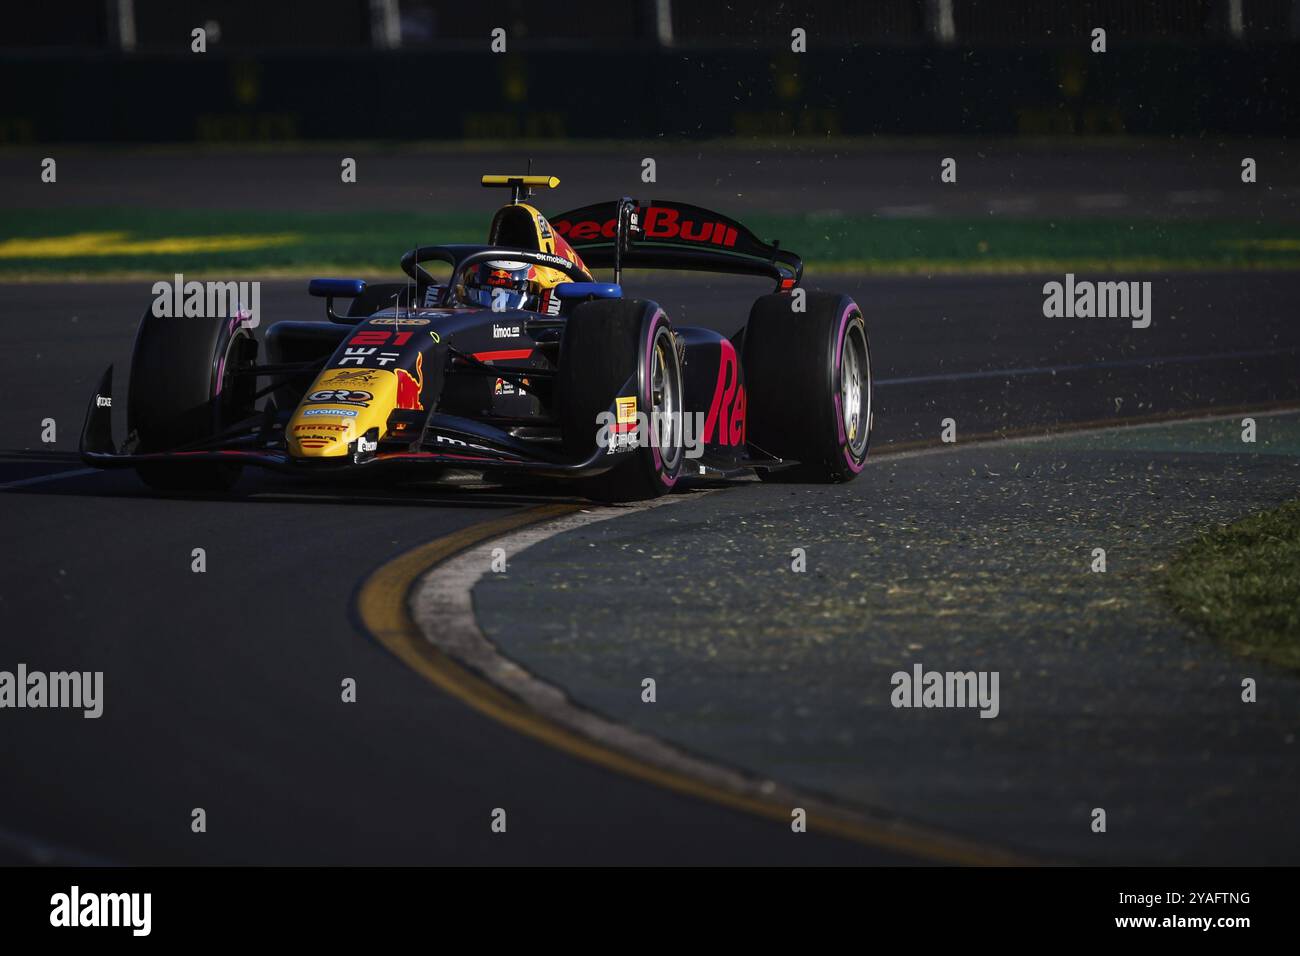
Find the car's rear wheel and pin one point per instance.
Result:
(810, 386)
(184, 389)
(605, 344)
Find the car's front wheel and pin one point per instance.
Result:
(184, 388)
(605, 344)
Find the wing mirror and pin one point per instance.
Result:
(583, 290)
(330, 289)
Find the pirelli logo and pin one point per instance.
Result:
(625, 413)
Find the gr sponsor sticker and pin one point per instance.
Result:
(342, 396)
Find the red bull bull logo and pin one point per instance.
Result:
(409, 387)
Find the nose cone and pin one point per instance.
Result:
(341, 405)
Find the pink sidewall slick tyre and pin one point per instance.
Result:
(605, 344)
(810, 385)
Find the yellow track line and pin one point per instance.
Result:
(382, 605)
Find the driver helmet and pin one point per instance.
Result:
(517, 285)
(514, 284)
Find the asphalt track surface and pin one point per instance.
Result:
(222, 688)
(1004, 179)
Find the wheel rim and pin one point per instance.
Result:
(236, 395)
(855, 390)
(665, 401)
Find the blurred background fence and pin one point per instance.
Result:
(125, 71)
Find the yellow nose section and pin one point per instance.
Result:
(341, 405)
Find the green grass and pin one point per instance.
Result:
(1240, 583)
(144, 242)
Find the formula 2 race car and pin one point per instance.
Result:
(518, 363)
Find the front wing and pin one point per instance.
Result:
(99, 450)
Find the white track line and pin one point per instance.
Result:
(1084, 366)
(1078, 433)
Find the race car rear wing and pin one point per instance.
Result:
(659, 234)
